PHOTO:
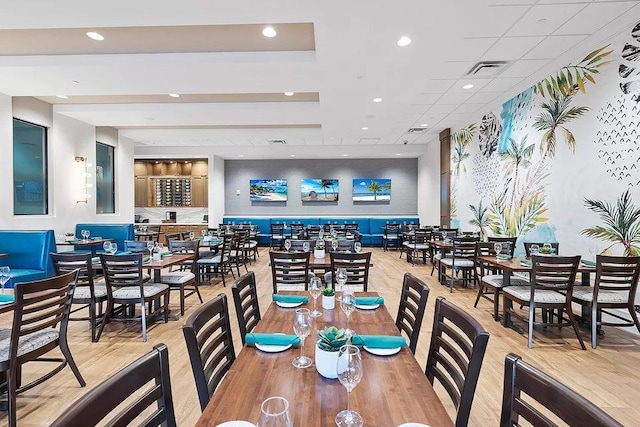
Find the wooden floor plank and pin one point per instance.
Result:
(608, 376)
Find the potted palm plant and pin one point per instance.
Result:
(330, 339)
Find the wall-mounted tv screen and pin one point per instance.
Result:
(319, 190)
(371, 190)
(268, 190)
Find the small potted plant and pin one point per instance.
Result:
(328, 299)
(68, 236)
(318, 252)
(545, 251)
(330, 339)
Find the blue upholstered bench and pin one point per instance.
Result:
(118, 232)
(28, 254)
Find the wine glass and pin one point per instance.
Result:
(5, 275)
(150, 246)
(321, 233)
(113, 248)
(107, 247)
(84, 234)
(349, 368)
(203, 233)
(357, 246)
(287, 244)
(302, 327)
(334, 245)
(533, 250)
(348, 304)
(306, 246)
(315, 288)
(497, 247)
(593, 250)
(274, 412)
(191, 235)
(341, 277)
(333, 232)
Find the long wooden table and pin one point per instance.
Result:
(393, 389)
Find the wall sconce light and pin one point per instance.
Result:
(85, 196)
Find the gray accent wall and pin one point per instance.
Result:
(402, 172)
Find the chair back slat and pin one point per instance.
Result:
(615, 273)
(357, 266)
(289, 271)
(245, 299)
(413, 301)
(449, 343)
(149, 374)
(554, 273)
(207, 333)
(526, 389)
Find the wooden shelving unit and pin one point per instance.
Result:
(171, 183)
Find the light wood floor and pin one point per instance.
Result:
(609, 376)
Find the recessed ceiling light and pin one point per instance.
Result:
(365, 128)
(469, 86)
(289, 93)
(332, 138)
(377, 99)
(345, 155)
(174, 95)
(292, 155)
(398, 154)
(149, 118)
(424, 125)
(62, 96)
(404, 41)
(95, 36)
(269, 32)
(75, 82)
(240, 155)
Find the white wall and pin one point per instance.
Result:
(216, 190)
(429, 185)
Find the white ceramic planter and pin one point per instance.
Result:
(326, 363)
(329, 303)
(318, 253)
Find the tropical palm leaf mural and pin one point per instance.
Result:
(480, 219)
(461, 139)
(573, 77)
(557, 113)
(505, 221)
(515, 157)
(622, 223)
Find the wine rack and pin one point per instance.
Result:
(172, 191)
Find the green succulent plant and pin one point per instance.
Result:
(328, 292)
(332, 338)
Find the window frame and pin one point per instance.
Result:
(45, 165)
(113, 179)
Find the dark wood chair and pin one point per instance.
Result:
(527, 247)
(510, 243)
(41, 307)
(86, 294)
(245, 300)
(615, 288)
(298, 245)
(462, 262)
(391, 236)
(417, 244)
(296, 231)
(239, 250)
(220, 261)
(184, 281)
(357, 266)
(277, 235)
(526, 389)
(458, 344)
(173, 236)
(207, 333)
(490, 280)
(551, 288)
(289, 271)
(148, 374)
(126, 286)
(413, 301)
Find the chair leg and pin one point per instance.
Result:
(92, 320)
(143, 318)
(64, 348)
(480, 293)
(496, 304)
(530, 326)
(196, 286)
(634, 315)
(105, 318)
(166, 306)
(594, 325)
(11, 397)
(181, 300)
(572, 318)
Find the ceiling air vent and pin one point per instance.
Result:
(487, 68)
(277, 142)
(416, 130)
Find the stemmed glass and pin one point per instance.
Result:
(349, 369)
(5, 275)
(306, 246)
(357, 246)
(113, 248)
(334, 245)
(150, 245)
(593, 250)
(321, 233)
(348, 304)
(497, 247)
(85, 234)
(315, 288)
(191, 235)
(274, 412)
(533, 250)
(302, 328)
(341, 277)
(107, 247)
(203, 233)
(287, 244)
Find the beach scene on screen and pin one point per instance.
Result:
(319, 190)
(268, 190)
(371, 190)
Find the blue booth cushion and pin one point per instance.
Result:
(118, 232)
(28, 254)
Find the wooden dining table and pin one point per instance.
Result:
(393, 390)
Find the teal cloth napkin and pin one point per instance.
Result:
(526, 262)
(379, 341)
(503, 256)
(369, 300)
(96, 238)
(290, 298)
(146, 258)
(6, 298)
(95, 260)
(123, 253)
(271, 339)
(588, 263)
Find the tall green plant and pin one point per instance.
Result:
(515, 222)
(622, 223)
(480, 219)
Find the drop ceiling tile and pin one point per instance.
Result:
(554, 46)
(502, 18)
(453, 98)
(469, 108)
(524, 68)
(511, 48)
(478, 84)
(554, 15)
(332, 141)
(443, 108)
(369, 141)
(501, 84)
(483, 97)
(451, 69)
(594, 16)
(470, 49)
(437, 86)
(425, 98)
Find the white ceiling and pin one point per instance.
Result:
(356, 59)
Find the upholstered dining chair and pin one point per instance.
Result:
(391, 236)
(417, 244)
(40, 321)
(148, 374)
(461, 264)
(207, 333)
(289, 271)
(86, 294)
(277, 235)
(551, 288)
(186, 278)
(527, 247)
(220, 261)
(526, 389)
(357, 266)
(458, 344)
(413, 301)
(245, 300)
(615, 287)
